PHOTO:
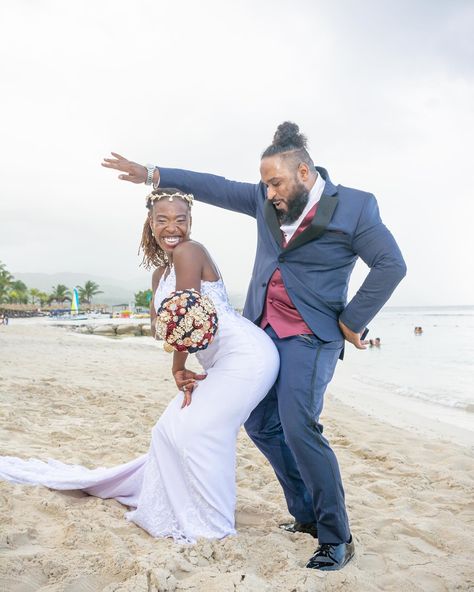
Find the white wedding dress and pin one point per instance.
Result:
(184, 486)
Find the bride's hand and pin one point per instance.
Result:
(136, 173)
(186, 381)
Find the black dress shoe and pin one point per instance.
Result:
(306, 527)
(332, 557)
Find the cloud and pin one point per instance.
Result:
(384, 91)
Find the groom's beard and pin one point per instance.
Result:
(295, 206)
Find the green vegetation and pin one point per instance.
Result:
(11, 291)
(6, 280)
(60, 294)
(88, 291)
(17, 292)
(37, 297)
(143, 298)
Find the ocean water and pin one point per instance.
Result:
(430, 374)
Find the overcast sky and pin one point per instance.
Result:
(384, 90)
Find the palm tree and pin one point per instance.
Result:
(17, 293)
(87, 292)
(6, 280)
(60, 294)
(16, 297)
(38, 297)
(43, 298)
(35, 295)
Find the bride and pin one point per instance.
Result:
(184, 486)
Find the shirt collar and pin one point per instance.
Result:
(314, 196)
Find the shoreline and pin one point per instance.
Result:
(423, 418)
(82, 400)
(420, 416)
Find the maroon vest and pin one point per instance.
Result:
(279, 312)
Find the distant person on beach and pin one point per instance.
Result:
(185, 486)
(5, 319)
(310, 235)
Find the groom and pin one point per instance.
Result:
(310, 234)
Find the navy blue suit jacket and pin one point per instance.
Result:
(317, 264)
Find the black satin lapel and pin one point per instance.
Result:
(272, 221)
(324, 213)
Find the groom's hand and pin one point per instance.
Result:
(135, 173)
(352, 337)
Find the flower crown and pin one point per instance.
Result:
(155, 196)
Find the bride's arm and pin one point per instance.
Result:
(188, 260)
(155, 280)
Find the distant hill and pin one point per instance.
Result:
(115, 291)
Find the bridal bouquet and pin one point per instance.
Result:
(186, 321)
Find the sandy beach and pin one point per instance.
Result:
(93, 400)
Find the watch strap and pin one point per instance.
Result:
(150, 169)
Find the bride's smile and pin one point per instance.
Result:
(170, 223)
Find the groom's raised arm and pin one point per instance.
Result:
(213, 189)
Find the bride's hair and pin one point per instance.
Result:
(289, 141)
(153, 254)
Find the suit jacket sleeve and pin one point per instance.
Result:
(214, 190)
(375, 245)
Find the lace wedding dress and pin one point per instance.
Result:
(184, 486)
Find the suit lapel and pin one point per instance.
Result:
(326, 208)
(271, 219)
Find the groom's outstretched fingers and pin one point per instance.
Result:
(117, 162)
(114, 163)
(135, 173)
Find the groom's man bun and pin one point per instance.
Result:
(289, 142)
(288, 137)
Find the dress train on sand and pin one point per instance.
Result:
(184, 486)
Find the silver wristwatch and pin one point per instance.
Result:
(150, 169)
